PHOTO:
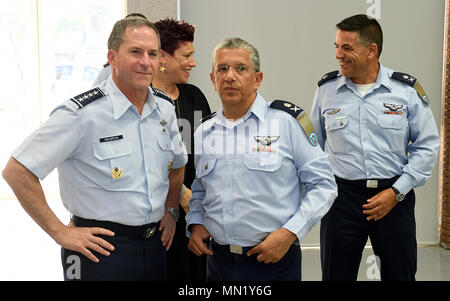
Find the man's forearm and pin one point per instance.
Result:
(176, 177)
(29, 192)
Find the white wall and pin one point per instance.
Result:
(27, 253)
(296, 43)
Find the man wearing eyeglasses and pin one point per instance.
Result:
(261, 180)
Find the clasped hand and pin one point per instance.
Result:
(380, 205)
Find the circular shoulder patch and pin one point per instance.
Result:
(313, 139)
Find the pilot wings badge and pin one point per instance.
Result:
(266, 140)
(392, 107)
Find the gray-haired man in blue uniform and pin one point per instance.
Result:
(262, 182)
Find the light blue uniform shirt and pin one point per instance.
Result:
(245, 189)
(113, 163)
(102, 75)
(388, 132)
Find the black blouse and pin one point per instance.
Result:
(190, 107)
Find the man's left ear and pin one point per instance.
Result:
(259, 78)
(373, 50)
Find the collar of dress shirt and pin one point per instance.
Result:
(258, 108)
(121, 104)
(383, 79)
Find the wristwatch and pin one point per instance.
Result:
(398, 195)
(174, 212)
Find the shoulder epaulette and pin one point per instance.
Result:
(287, 106)
(413, 82)
(207, 117)
(162, 94)
(87, 97)
(300, 115)
(327, 77)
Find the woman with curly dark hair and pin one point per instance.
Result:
(177, 61)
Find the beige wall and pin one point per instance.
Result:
(154, 10)
(295, 40)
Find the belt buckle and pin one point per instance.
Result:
(236, 249)
(372, 183)
(149, 232)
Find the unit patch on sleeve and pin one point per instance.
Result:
(300, 115)
(413, 82)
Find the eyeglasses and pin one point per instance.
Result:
(239, 69)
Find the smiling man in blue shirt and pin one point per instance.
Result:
(382, 141)
(261, 180)
(120, 162)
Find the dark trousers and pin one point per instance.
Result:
(135, 258)
(227, 266)
(182, 264)
(344, 231)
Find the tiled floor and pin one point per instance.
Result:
(433, 264)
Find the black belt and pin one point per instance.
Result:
(234, 249)
(368, 183)
(143, 231)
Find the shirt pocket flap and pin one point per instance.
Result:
(263, 161)
(205, 167)
(388, 121)
(336, 122)
(109, 150)
(164, 142)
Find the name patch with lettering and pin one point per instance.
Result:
(112, 138)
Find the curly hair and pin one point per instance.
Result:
(173, 32)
